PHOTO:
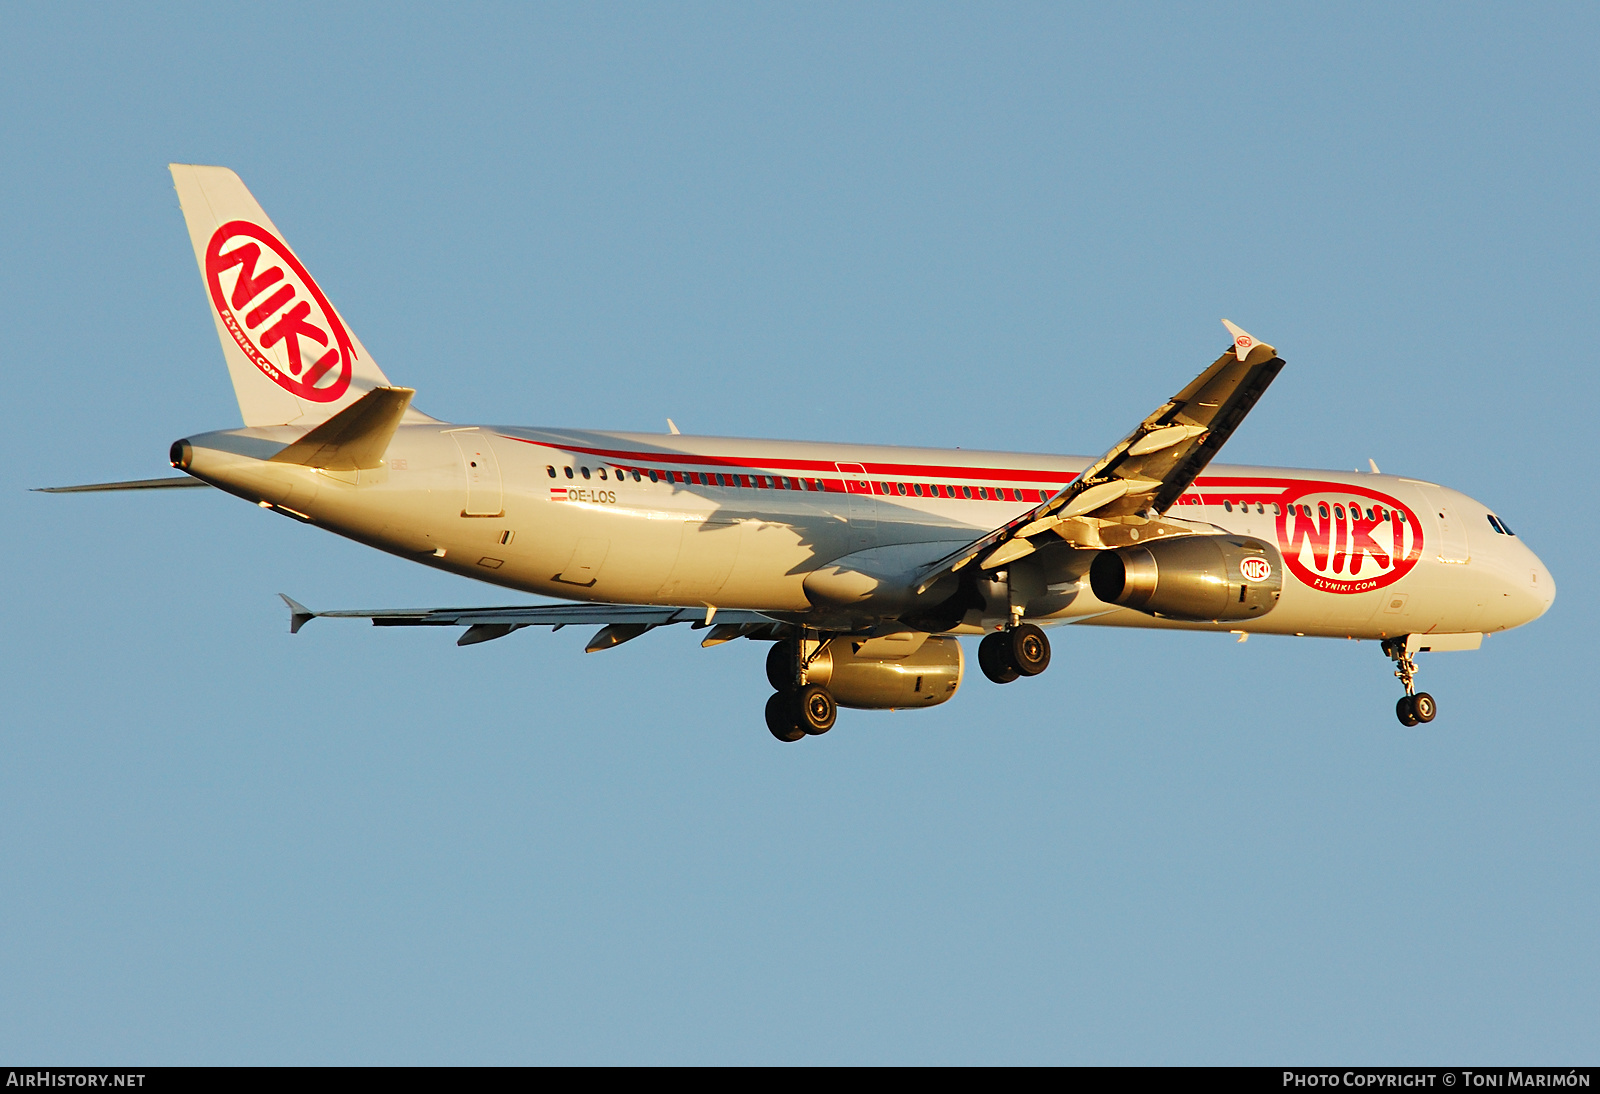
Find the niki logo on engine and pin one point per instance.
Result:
(1346, 539)
(276, 312)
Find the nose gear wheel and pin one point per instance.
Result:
(1415, 707)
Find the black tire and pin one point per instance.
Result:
(781, 660)
(1406, 711)
(783, 716)
(994, 658)
(1423, 706)
(816, 709)
(1029, 649)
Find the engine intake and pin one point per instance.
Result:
(1193, 578)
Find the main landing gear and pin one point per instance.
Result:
(1021, 651)
(1414, 707)
(796, 710)
(792, 714)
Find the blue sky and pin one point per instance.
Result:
(1000, 226)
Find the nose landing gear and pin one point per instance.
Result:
(1415, 706)
(1021, 651)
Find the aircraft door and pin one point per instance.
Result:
(863, 506)
(1453, 546)
(485, 496)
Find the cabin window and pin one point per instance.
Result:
(549, 470)
(602, 474)
(966, 491)
(584, 471)
(636, 474)
(1338, 512)
(568, 471)
(1228, 505)
(1275, 510)
(917, 489)
(1322, 510)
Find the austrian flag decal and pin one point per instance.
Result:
(276, 312)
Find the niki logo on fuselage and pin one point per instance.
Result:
(1346, 539)
(276, 312)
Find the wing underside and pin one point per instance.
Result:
(619, 622)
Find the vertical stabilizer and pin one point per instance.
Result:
(292, 358)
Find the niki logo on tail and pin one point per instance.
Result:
(276, 312)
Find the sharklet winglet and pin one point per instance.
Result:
(299, 614)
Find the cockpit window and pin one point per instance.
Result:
(1499, 525)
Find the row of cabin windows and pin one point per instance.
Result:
(781, 482)
(695, 478)
(1371, 512)
(981, 493)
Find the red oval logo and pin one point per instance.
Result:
(276, 312)
(1346, 539)
(1256, 569)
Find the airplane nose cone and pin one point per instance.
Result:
(1543, 588)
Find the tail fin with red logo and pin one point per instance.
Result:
(292, 358)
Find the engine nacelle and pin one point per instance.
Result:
(1194, 577)
(868, 680)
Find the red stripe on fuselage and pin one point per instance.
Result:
(908, 471)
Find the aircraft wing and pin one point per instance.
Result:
(622, 622)
(1144, 473)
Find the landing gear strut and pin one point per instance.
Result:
(1021, 651)
(1414, 706)
(796, 709)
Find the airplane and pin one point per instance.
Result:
(861, 565)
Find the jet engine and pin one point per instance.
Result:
(1194, 577)
(859, 675)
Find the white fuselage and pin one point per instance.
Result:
(737, 523)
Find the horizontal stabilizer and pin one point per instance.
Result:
(354, 439)
(167, 483)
